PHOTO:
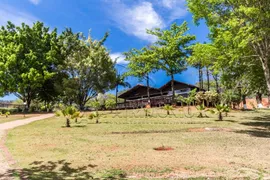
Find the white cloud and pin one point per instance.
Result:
(35, 2)
(16, 16)
(136, 19)
(175, 9)
(119, 56)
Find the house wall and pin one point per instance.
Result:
(141, 92)
(177, 86)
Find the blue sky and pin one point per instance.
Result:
(126, 20)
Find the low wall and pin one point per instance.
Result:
(253, 101)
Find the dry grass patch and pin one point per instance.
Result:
(202, 147)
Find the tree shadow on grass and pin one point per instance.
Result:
(260, 126)
(256, 133)
(59, 170)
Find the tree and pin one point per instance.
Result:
(238, 26)
(205, 55)
(29, 57)
(141, 64)
(172, 49)
(120, 81)
(91, 70)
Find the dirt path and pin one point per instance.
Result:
(5, 157)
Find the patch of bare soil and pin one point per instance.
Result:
(163, 148)
(209, 129)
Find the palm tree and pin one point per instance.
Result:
(120, 81)
(168, 108)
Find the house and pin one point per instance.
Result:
(136, 97)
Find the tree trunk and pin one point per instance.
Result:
(259, 99)
(216, 80)
(168, 112)
(267, 76)
(244, 101)
(208, 79)
(172, 85)
(97, 121)
(200, 76)
(116, 94)
(67, 122)
(148, 89)
(220, 118)
(28, 103)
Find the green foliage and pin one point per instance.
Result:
(110, 104)
(28, 54)
(220, 108)
(201, 109)
(171, 49)
(11, 110)
(188, 100)
(94, 115)
(200, 97)
(168, 108)
(114, 174)
(239, 33)
(211, 97)
(7, 113)
(141, 62)
(58, 113)
(70, 112)
(91, 71)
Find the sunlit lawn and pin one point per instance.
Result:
(239, 146)
(14, 117)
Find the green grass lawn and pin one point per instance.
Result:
(123, 142)
(4, 119)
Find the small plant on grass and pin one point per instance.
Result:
(201, 109)
(94, 115)
(70, 112)
(188, 100)
(58, 113)
(7, 114)
(96, 104)
(147, 112)
(114, 174)
(168, 108)
(220, 108)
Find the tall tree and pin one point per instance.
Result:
(172, 49)
(141, 64)
(238, 25)
(29, 57)
(205, 55)
(91, 70)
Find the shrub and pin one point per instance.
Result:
(58, 113)
(11, 110)
(70, 112)
(168, 108)
(7, 113)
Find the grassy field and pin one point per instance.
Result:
(123, 143)
(14, 117)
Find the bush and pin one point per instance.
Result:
(10, 110)
(7, 113)
(58, 113)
